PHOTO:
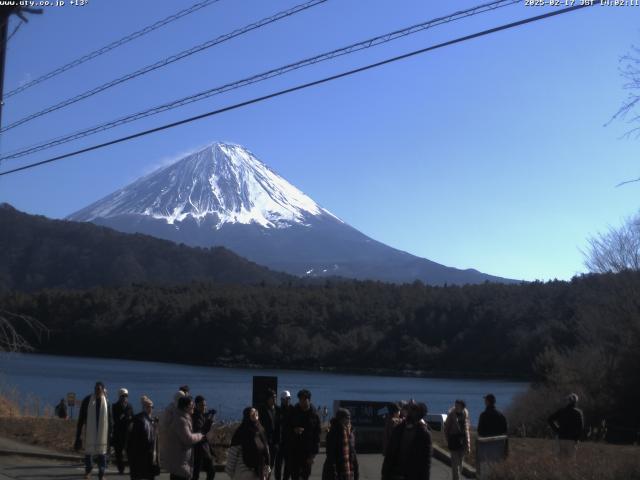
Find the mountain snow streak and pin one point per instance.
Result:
(222, 181)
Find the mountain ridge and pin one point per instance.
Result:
(223, 195)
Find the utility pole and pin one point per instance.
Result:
(5, 14)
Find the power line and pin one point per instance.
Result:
(371, 42)
(167, 61)
(107, 48)
(300, 87)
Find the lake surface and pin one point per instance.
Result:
(229, 389)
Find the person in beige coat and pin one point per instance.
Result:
(180, 440)
(457, 430)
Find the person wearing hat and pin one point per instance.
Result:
(341, 462)
(492, 422)
(142, 444)
(122, 415)
(96, 422)
(568, 424)
(282, 455)
(305, 437)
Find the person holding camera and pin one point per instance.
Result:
(203, 457)
(142, 444)
(180, 441)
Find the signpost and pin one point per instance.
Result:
(71, 402)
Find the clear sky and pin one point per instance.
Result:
(490, 154)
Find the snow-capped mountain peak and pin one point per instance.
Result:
(223, 181)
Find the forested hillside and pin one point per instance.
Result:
(41, 253)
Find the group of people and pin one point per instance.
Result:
(281, 441)
(407, 438)
(179, 441)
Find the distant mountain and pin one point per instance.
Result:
(224, 196)
(41, 253)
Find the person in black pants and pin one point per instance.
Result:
(122, 415)
(305, 440)
(203, 458)
(282, 455)
(270, 420)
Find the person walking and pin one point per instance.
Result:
(248, 457)
(270, 421)
(142, 444)
(180, 441)
(282, 455)
(408, 455)
(61, 410)
(305, 439)
(96, 422)
(457, 431)
(341, 462)
(203, 458)
(391, 422)
(122, 416)
(568, 425)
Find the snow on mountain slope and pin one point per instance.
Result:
(223, 181)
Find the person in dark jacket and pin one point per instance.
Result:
(96, 422)
(408, 455)
(392, 421)
(568, 424)
(341, 462)
(142, 444)
(61, 410)
(203, 458)
(492, 423)
(270, 421)
(248, 457)
(122, 416)
(305, 437)
(284, 419)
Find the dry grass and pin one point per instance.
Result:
(535, 459)
(52, 433)
(593, 462)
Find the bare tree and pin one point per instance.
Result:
(616, 250)
(11, 326)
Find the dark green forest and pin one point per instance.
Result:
(38, 252)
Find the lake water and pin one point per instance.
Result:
(229, 389)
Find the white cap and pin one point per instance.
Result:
(285, 394)
(123, 391)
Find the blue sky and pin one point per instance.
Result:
(490, 154)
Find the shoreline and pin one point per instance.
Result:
(360, 371)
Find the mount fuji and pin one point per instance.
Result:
(223, 195)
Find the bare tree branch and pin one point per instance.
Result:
(616, 250)
(11, 325)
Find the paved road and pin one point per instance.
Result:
(22, 468)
